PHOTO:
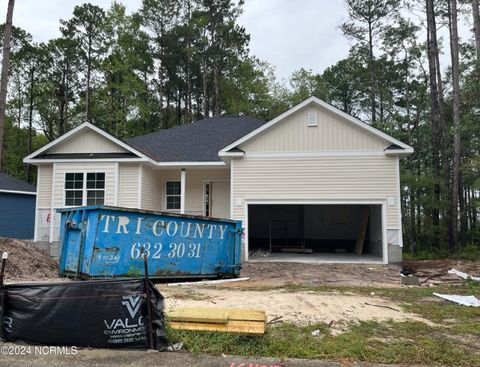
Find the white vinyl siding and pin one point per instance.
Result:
(128, 185)
(195, 179)
(194, 185)
(317, 178)
(152, 189)
(62, 168)
(87, 142)
(333, 133)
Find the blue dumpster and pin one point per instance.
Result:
(102, 241)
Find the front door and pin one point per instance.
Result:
(217, 199)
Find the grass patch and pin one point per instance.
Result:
(406, 342)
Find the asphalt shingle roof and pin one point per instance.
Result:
(12, 184)
(196, 142)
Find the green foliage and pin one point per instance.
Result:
(134, 272)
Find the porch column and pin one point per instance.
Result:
(182, 191)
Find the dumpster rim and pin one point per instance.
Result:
(162, 213)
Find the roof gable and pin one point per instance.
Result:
(331, 133)
(351, 126)
(86, 141)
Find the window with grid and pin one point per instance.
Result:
(95, 188)
(84, 188)
(74, 189)
(173, 195)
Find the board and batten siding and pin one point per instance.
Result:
(316, 178)
(332, 133)
(88, 142)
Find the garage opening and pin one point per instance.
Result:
(323, 233)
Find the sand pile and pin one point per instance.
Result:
(26, 262)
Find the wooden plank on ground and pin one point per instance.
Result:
(238, 327)
(363, 230)
(214, 315)
(217, 319)
(209, 282)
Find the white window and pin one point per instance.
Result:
(84, 188)
(312, 119)
(173, 194)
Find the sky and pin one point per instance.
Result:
(288, 34)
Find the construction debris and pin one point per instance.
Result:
(175, 347)
(410, 280)
(275, 320)
(250, 322)
(437, 271)
(463, 275)
(470, 301)
(27, 262)
(382, 306)
(209, 282)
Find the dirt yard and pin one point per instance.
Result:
(273, 274)
(278, 288)
(299, 307)
(26, 262)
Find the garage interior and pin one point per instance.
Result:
(315, 233)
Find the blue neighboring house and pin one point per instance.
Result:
(17, 208)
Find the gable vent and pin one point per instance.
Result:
(312, 118)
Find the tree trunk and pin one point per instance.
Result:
(462, 203)
(372, 74)
(30, 118)
(205, 91)
(164, 123)
(188, 106)
(476, 26)
(4, 81)
(216, 89)
(432, 51)
(456, 120)
(89, 72)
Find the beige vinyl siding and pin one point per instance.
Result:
(44, 186)
(333, 133)
(152, 189)
(128, 185)
(316, 178)
(87, 142)
(59, 176)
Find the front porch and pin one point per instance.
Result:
(199, 190)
